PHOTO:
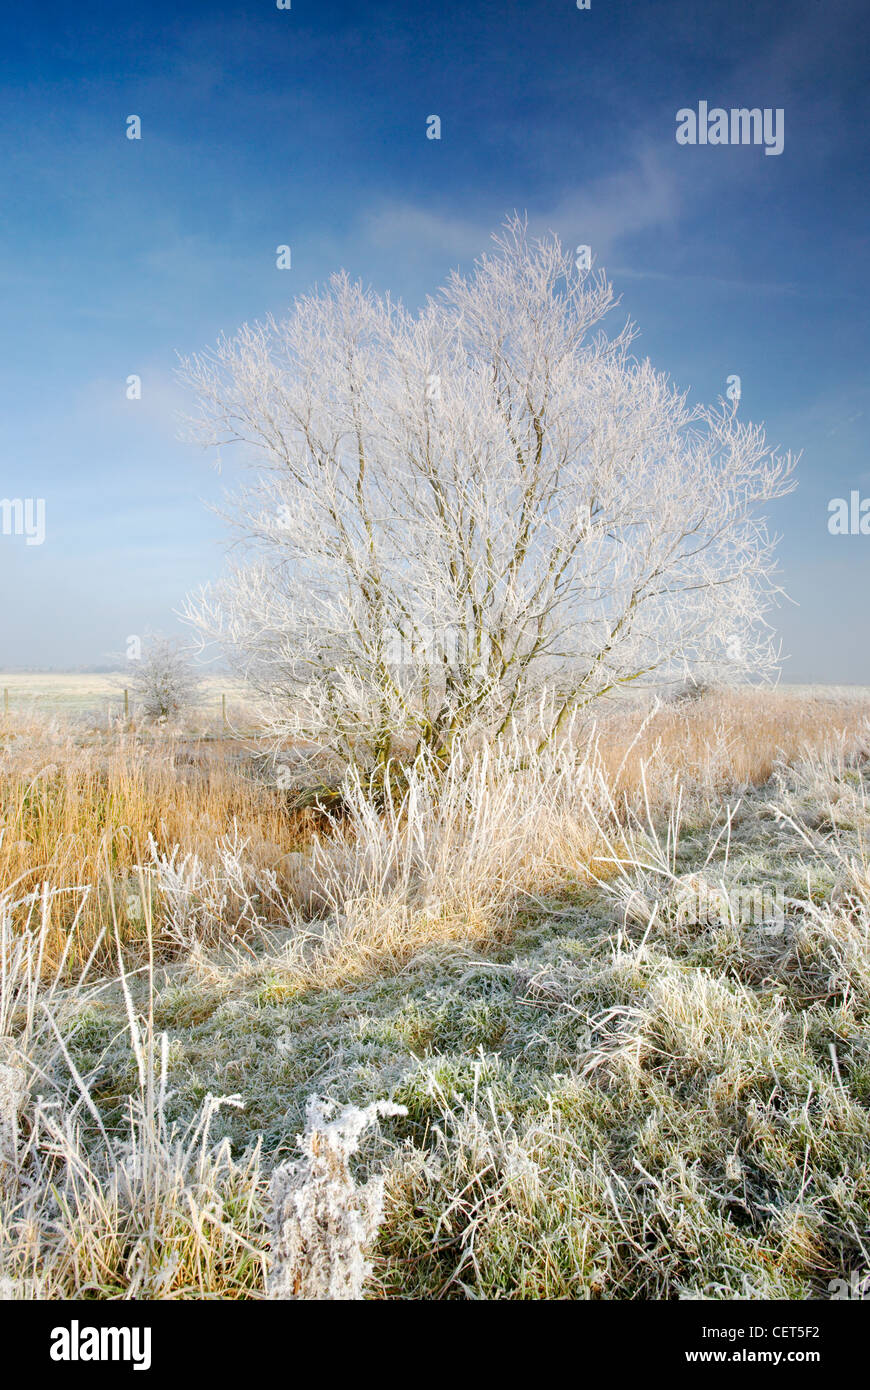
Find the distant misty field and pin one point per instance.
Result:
(88, 693)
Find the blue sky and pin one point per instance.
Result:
(308, 127)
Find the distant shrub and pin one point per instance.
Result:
(164, 682)
(691, 690)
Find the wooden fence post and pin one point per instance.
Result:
(126, 704)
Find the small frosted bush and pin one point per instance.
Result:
(321, 1221)
(164, 682)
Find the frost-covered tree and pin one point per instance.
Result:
(479, 515)
(164, 682)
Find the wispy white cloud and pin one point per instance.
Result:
(640, 197)
(407, 225)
